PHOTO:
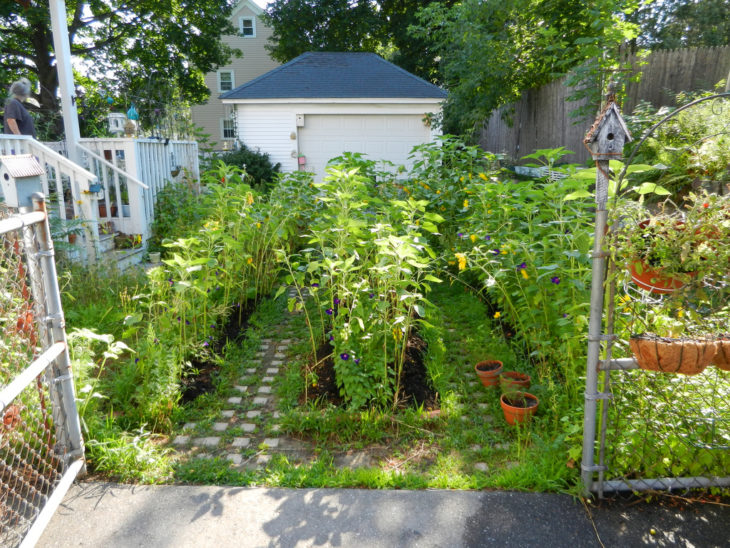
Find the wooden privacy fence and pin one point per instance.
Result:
(541, 119)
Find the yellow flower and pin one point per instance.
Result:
(483, 176)
(438, 192)
(249, 260)
(466, 204)
(503, 252)
(443, 208)
(258, 225)
(473, 238)
(525, 275)
(680, 313)
(461, 179)
(489, 211)
(249, 199)
(497, 314)
(462, 260)
(452, 262)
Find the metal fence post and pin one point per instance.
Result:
(62, 382)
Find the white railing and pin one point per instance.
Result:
(65, 183)
(132, 172)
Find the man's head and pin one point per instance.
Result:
(21, 88)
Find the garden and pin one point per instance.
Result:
(394, 294)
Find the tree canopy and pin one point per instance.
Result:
(136, 38)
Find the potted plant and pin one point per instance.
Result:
(488, 372)
(685, 355)
(670, 247)
(518, 407)
(510, 381)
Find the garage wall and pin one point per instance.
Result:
(270, 126)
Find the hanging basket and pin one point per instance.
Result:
(686, 356)
(653, 280)
(722, 358)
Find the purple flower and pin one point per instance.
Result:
(205, 343)
(156, 340)
(336, 300)
(565, 315)
(178, 318)
(372, 295)
(555, 280)
(315, 285)
(170, 280)
(344, 356)
(522, 266)
(329, 311)
(487, 237)
(460, 234)
(332, 338)
(136, 360)
(212, 326)
(187, 322)
(495, 251)
(356, 360)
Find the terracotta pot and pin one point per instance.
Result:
(518, 407)
(722, 358)
(686, 356)
(653, 280)
(488, 372)
(510, 381)
(72, 238)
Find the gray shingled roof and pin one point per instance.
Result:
(317, 75)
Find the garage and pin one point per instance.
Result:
(322, 104)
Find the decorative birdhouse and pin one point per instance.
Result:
(20, 177)
(609, 133)
(116, 121)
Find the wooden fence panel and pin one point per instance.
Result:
(541, 119)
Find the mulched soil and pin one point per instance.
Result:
(203, 381)
(416, 388)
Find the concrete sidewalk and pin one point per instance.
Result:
(110, 515)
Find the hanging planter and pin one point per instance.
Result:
(686, 356)
(654, 280)
(511, 381)
(518, 407)
(722, 358)
(488, 372)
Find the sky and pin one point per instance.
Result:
(261, 3)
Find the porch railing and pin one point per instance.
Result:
(68, 187)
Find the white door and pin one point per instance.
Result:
(379, 136)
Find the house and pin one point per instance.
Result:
(322, 104)
(213, 117)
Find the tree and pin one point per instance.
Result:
(178, 38)
(492, 50)
(672, 24)
(347, 25)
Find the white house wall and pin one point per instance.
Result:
(269, 127)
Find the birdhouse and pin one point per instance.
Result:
(609, 133)
(116, 122)
(20, 177)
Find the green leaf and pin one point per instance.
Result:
(577, 195)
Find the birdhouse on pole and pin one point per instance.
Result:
(20, 178)
(608, 134)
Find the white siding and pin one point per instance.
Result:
(269, 130)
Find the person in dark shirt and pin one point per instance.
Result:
(18, 120)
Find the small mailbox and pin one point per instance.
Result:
(20, 177)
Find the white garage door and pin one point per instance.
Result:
(381, 137)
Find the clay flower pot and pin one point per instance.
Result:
(686, 356)
(722, 358)
(518, 407)
(488, 372)
(653, 280)
(511, 381)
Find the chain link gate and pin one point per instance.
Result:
(41, 448)
(652, 430)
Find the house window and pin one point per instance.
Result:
(228, 128)
(248, 27)
(225, 80)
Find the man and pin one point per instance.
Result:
(18, 120)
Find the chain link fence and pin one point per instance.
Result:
(40, 444)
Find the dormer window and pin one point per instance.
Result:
(248, 27)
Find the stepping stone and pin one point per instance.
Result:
(277, 362)
(272, 371)
(253, 414)
(476, 447)
(263, 459)
(503, 446)
(280, 355)
(255, 362)
(248, 427)
(482, 405)
(271, 443)
(190, 426)
(355, 460)
(181, 440)
(264, 390)
(211, 441)
(481, 466)
(260, 354)
(241, 388)
(241, 442)
(451, 330)
(228, 414)
(266, 341)
(260, 401)
(473, 384)
(267, 379)
(488, 418)
(235, 400)
(220, 426)
(251, 371)
(285, 341)
(276, 428)
(235, 459)
(276, 415)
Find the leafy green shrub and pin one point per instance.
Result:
(257, 165)
(176, 210)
